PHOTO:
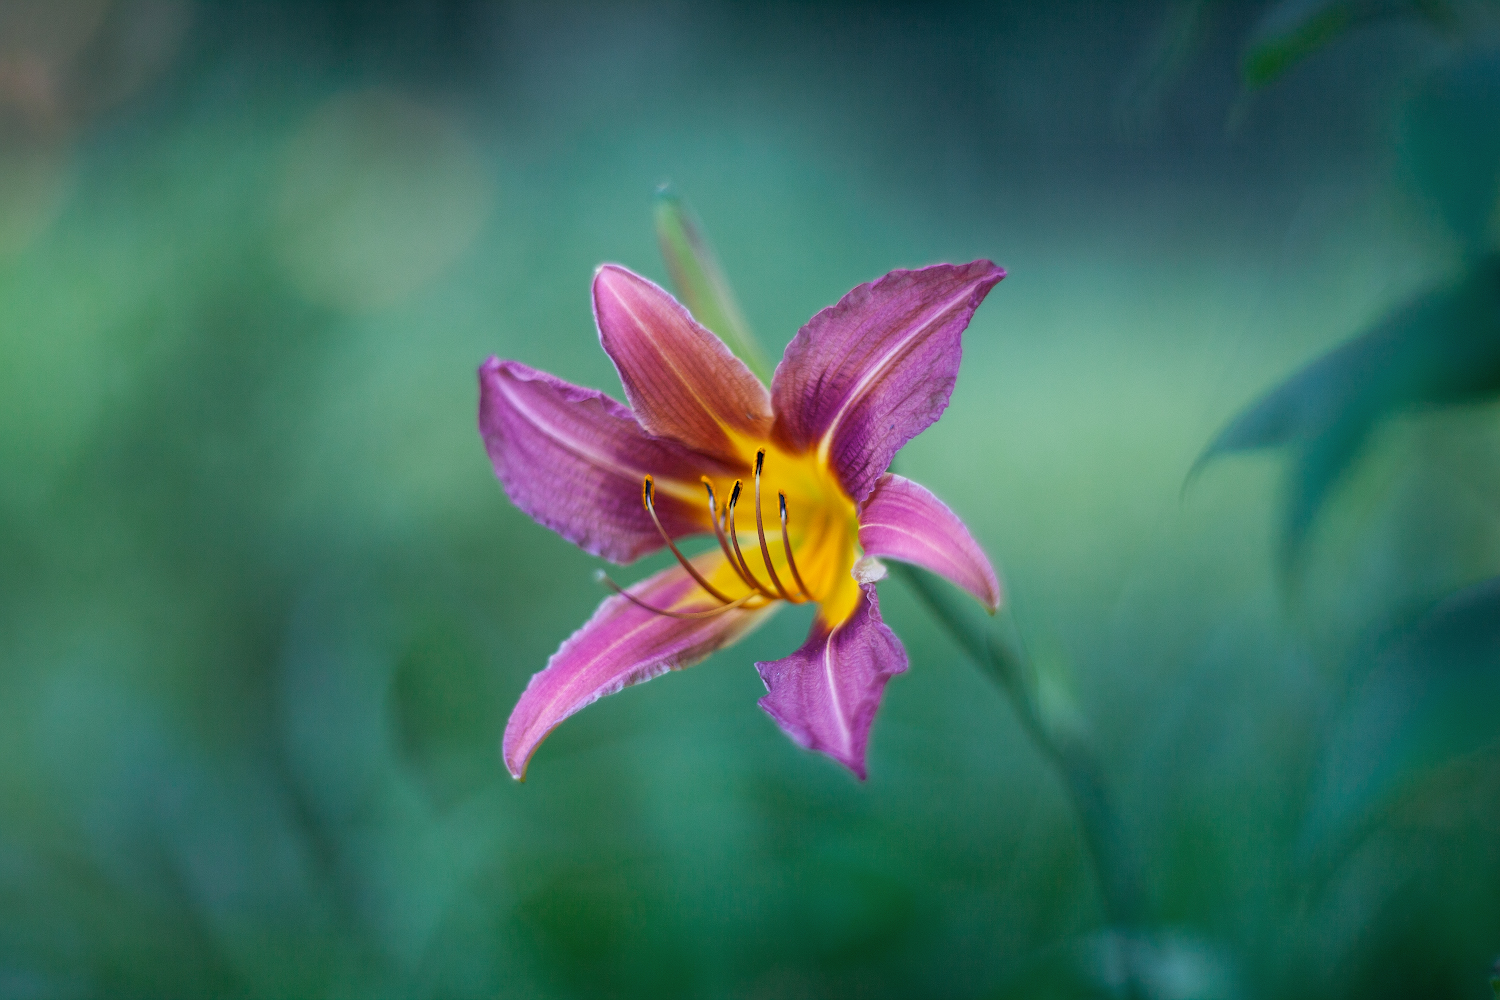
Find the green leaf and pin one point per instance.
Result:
(1450, 150)
(1442, 347)
(1292, 30)
(700, 281)
(1430, 699)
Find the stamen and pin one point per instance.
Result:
(710, 613)
(786, 544)
(647, 497)
(713, 515)
(760, 529)
(734, 499)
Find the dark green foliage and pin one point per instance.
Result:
(1440, 349)
(1430, 699)
(1292, 30)
(1450, 148)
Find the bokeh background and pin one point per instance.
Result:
(264, 608)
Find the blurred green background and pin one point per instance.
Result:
(264, 608)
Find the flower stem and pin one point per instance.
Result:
(1005, 662)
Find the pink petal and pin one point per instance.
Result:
(622, 644)
(902, 520)
(825, 694)
(573, 459)
(867, 375)
(681, 381)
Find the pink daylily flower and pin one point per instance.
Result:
(791, 483)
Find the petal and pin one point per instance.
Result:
(681, 381)
(622, 644)
(867, 375)
(574, 459)
(902, 520)
(825, 694)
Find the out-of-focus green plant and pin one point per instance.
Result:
(1428, 700)
(1440, 348)
(1288, 32)
(700, 280)
(996, 650)
(1291, 30)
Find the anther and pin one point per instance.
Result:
(786, 545)
(760, 529)
(648, 498)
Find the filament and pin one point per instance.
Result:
(734, 499)
(727, 535)
(786, 545)
(760, 529)
(647, 491)
(710, 613)
(713, 516)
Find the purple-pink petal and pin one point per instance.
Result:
(681, 380)
(868, 374)
(903, 520)
(622, 644)
(573, 459)
(825, 694)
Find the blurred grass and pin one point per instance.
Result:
(264, 609)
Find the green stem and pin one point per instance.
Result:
(1076, 763)
(699, 279)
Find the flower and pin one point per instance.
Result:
(792, 484)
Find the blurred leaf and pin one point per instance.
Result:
(1182, 37)
(700, 281)
(1451, 149)
(1161, 964)
(1292, 30)
(1443, 347)
(1433, 696)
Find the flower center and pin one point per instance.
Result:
(826, 533)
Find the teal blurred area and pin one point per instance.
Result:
(264, 608)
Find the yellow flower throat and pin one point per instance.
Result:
(790, 535)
